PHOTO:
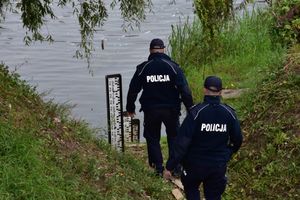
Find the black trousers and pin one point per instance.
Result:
(153, 120)
(213, 179)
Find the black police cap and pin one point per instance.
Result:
(157, 44)
(213, 83)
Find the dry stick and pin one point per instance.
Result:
(177, 192)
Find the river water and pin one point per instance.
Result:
(53, 69)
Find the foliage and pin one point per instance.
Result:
(133, 11)
(45, 154)
(268, 164)
(286, 14)
(20, 163)
(246, 49)
(212, 15)
(90, 14)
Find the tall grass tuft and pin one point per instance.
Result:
(245, 49)
(23, 173)
(268, 165)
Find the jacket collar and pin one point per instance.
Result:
(159, 56)
(212, 99)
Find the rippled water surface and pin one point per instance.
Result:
(53, 68)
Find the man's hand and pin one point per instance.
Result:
(130, 114)
(167, 174)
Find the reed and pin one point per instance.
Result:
(244, 49)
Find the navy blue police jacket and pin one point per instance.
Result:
(163, 84)
(208, 136)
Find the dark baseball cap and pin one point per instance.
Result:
(157, 44)
(213, 83)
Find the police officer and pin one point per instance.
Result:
(208, 137)
(164, 87)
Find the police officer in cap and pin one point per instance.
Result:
(208, 137)
(164, 87)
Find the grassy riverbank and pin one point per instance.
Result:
(47, 155)
(268, 165)
(246, 50)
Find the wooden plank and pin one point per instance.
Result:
(177, 182)
(177, 194)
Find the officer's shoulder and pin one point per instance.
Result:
(229, 109)
(174, 63)
(141, 65)
(196, 109)
(168, 60)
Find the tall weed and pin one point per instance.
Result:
(245, 50)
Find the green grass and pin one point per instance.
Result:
(245, 50)
(23, 173)
(267, 166)
(45, 154)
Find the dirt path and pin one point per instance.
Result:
(233, 93)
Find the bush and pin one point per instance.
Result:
(286, 15)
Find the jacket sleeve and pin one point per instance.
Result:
(135, 87)
(184, 90)
(182, 142)
(236, 137)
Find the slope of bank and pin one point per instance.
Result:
(252, 60)
(268, 165)
(47, 155)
